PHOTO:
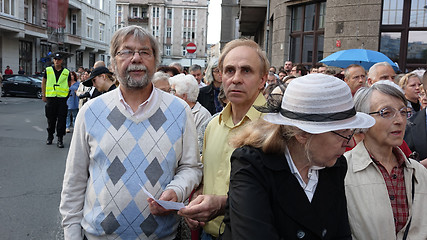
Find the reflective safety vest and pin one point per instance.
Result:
(57, 88)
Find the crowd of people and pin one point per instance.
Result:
(253, 152)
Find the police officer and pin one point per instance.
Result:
(55, 87)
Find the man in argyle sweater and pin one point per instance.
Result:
(133, 136)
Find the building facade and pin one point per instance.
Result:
(306, 31)
(27, 39)
(174, 23)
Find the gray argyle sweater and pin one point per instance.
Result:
(112, 153)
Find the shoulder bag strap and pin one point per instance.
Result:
(405, 234)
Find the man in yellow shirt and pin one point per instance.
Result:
(244, 70)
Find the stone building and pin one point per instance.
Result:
(27, 36)
(174, 23)
(306, 31)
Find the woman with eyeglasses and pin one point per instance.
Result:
(386, 192)
(287, 173)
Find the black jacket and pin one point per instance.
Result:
(265, 201)
(206, 98)
(416, 134)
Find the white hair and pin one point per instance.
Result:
(185, 84)
(390, 83)
(373, 70)
(419, 72)
(160, 76)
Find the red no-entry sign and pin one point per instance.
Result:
(191, 47)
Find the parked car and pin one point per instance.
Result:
(21, 85)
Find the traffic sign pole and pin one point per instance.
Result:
(191, 49)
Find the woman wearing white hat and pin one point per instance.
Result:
(287, 176)
(386, 192)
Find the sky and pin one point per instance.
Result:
(214, 21)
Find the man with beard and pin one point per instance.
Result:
(128, 140)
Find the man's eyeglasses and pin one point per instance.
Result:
(389, 113)
(126, 53)
(172, 91)
(348, 137)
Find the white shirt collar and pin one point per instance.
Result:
(143, 107)
(313, 176)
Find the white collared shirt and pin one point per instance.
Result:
(146, 106)
(313, 176)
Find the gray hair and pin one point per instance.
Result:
(185, 84)
(177, 65)
(347, 70)
(362, 98)
(373, 70)
(160, 76)
(139, 34)
(209, 78)
(195, 67)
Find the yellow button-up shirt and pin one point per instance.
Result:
(217, 152)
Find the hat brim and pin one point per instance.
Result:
(88, 82)
(360, 120)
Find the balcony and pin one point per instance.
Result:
(72, 39)
(138, 20)
(252, 15)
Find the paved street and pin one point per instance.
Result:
(31, 172)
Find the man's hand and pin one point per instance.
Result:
(156, 209)
(194, 224)
(204, 208)
(44, 98)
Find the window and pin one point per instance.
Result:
(25, 55)
(90, 1)
(167, 50)
(157, 31)
(156, 21)
(156, 12)
(392, 12)
(134, 12)
(101, 32)
(7, 7)
(168, 32)
(169, 13)
(26, 11)
(73, 24)
(404, 33)
(189, 26)
(144, 13)
(79, 58)
(91, 59)
(307, 33)
(101, 4)
(119, 11)
(89, 28)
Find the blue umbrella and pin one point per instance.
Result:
(365, 58)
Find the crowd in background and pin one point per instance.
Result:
(319, 153)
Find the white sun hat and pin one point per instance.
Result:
(319, 103)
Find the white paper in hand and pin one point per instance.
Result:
(166, 204)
